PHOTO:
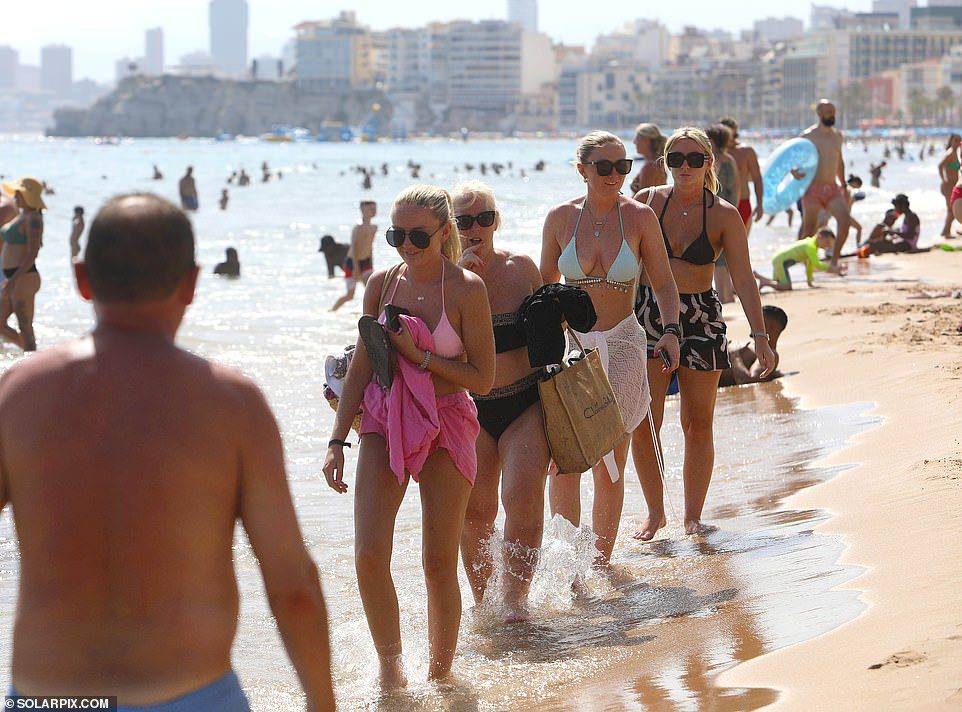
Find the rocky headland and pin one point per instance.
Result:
(168, 106)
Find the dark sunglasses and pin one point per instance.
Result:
(604, 168)
(675, 159)
(419, 238)
(485, 219)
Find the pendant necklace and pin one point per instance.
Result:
(599, 225)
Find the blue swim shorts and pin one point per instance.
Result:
(222, 695)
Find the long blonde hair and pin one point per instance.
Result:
(701, 138)
(438, 201)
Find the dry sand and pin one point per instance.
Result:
(899, 511)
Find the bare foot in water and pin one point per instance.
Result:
(695, 526)
(516, 612)
(649, 528)
(392, 673)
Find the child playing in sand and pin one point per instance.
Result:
(804, 251)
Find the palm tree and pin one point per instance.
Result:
(946, 103)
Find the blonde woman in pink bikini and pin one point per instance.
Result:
(448, 315)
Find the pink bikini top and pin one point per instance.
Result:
(447, 343)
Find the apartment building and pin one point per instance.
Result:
(336, 54)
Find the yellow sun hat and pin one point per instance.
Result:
(31, 189)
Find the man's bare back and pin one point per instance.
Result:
(747, 161)
(125, 510)
(128, 462)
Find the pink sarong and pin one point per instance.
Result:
(414, 422)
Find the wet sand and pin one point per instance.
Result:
(897, 512)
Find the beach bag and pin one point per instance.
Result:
(582, 421)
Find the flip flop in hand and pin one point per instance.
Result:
(379, 349)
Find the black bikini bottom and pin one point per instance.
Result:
(502, 406)
(9, 272)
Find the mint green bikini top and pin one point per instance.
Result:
(622, 273)
(13, 235)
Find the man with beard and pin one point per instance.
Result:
(828, 190)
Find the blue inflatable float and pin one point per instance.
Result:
(782, 189)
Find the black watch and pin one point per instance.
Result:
(334, 441)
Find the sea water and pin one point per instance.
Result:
(673, 614)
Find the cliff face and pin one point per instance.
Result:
(204, 106)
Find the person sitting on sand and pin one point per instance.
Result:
(231, 266)
(127, 462)
(805, 251)
(905, 239)
(745, 367)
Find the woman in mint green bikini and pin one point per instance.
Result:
(22, 238)
(949, 174)
(598, 241)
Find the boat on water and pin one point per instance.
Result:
(286, 134)
(334, 133)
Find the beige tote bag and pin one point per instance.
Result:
(582, 420)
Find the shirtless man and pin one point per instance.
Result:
(748, 171)
(359, 264)
(126, 491)
(744, 362)
(188, 190)
(828, 190)
(76, 230)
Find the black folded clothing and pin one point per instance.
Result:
(543, 314)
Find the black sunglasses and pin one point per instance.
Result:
(675, 159)
(419, 238)
(485, 219)
(604, 168)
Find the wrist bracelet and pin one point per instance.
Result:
(760, 335)
(673, 328)
(335, 441)
(425, 361)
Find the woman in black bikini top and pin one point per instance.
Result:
(704, 350)
(512, 441)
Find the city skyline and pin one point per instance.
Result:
(97, 46)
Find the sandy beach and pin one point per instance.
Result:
(897, 511)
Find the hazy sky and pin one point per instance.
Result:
(101, 31)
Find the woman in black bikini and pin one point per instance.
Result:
(696, 228)
(512, 438)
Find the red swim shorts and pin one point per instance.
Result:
(819, 195)
(745, 210)
(956, 194)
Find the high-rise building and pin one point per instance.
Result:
(778, 29)
(824, 17)
(154, 51)
(9, 60)
(525, 13)
(56, 68)
(334, 54)
(228, 35)
(901, 7)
